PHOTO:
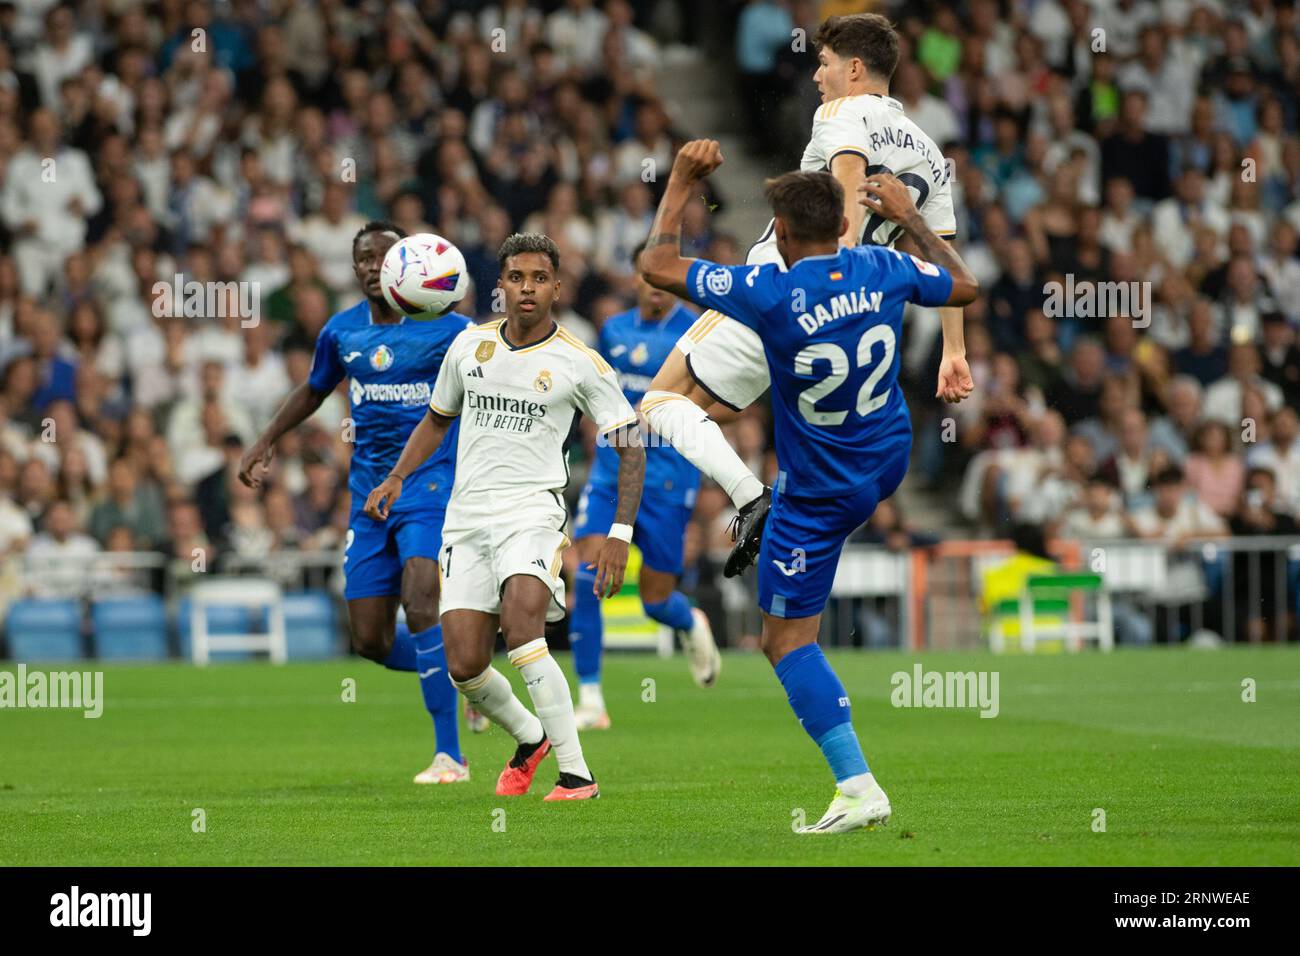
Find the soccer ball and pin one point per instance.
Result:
(423, 275)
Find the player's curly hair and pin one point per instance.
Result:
(810, 204)
(522, 242)
(868, 36)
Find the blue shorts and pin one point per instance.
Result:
(803, 539)
(376, 551)
(659, 530)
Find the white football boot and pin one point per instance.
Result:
(702, 650)
(444, 769)
(853, 813)
(590, 713)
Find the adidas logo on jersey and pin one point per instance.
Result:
(477, 372)
(540, 563)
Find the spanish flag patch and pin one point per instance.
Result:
(837, 276)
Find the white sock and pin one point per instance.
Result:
(492, 695)
(700, 440)
(858, 785)
(590, 696)
(553, 702)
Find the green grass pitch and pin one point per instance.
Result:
(287, 773)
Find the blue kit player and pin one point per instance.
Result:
(392, 362)
(636, 343)
(830, 328)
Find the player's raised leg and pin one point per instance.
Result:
(525, 600)
(680, 410)
(587, 633)
(468, 637)
(683, 412)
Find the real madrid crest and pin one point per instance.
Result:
(485, 350)
(543, 381)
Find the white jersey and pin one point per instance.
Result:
(516, 407)
(726, 357)
(876, 128)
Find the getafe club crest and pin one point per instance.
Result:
(640, 354)
(485, 350)
(381, 358)
(543, 381)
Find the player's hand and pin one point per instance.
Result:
(610, 567)
(253, 466)
(955, 381)
(884, 194)
(696, 160)
(382, 499)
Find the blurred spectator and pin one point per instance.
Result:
(1257, 574)
(1280, 456)
(1213, 471)
(59, 550)
(1176, 515)
(128, 506)
(1223, 399)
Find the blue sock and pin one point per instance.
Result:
(675, 612)
(439, 694)
(402, 655)
(586, 629)
(822, 706)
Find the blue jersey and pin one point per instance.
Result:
(637, 350)
(830, 328)
(392, 370)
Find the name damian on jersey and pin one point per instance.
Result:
(844, 304)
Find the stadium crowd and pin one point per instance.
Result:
(1125, 141)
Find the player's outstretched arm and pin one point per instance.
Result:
(297, 408)
(662, 264)
(612, 562)
(424, 441)
(887, 196)
(955, 380)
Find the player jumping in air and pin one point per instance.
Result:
(718, 364)
(515, 386)
(391, 360)
(635, 343)
(829, 328)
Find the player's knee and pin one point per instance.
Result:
(371, 645)
(463, 664)
(655, 591)
(421, 615)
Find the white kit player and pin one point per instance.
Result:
(718, 365)
(516, 385)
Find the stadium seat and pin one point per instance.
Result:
(45, 630)
(129, 628)
(262, 604)
(221, 620)
(1045, 611)
(311, 625)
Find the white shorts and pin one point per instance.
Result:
(475, 565)
(725, 357)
